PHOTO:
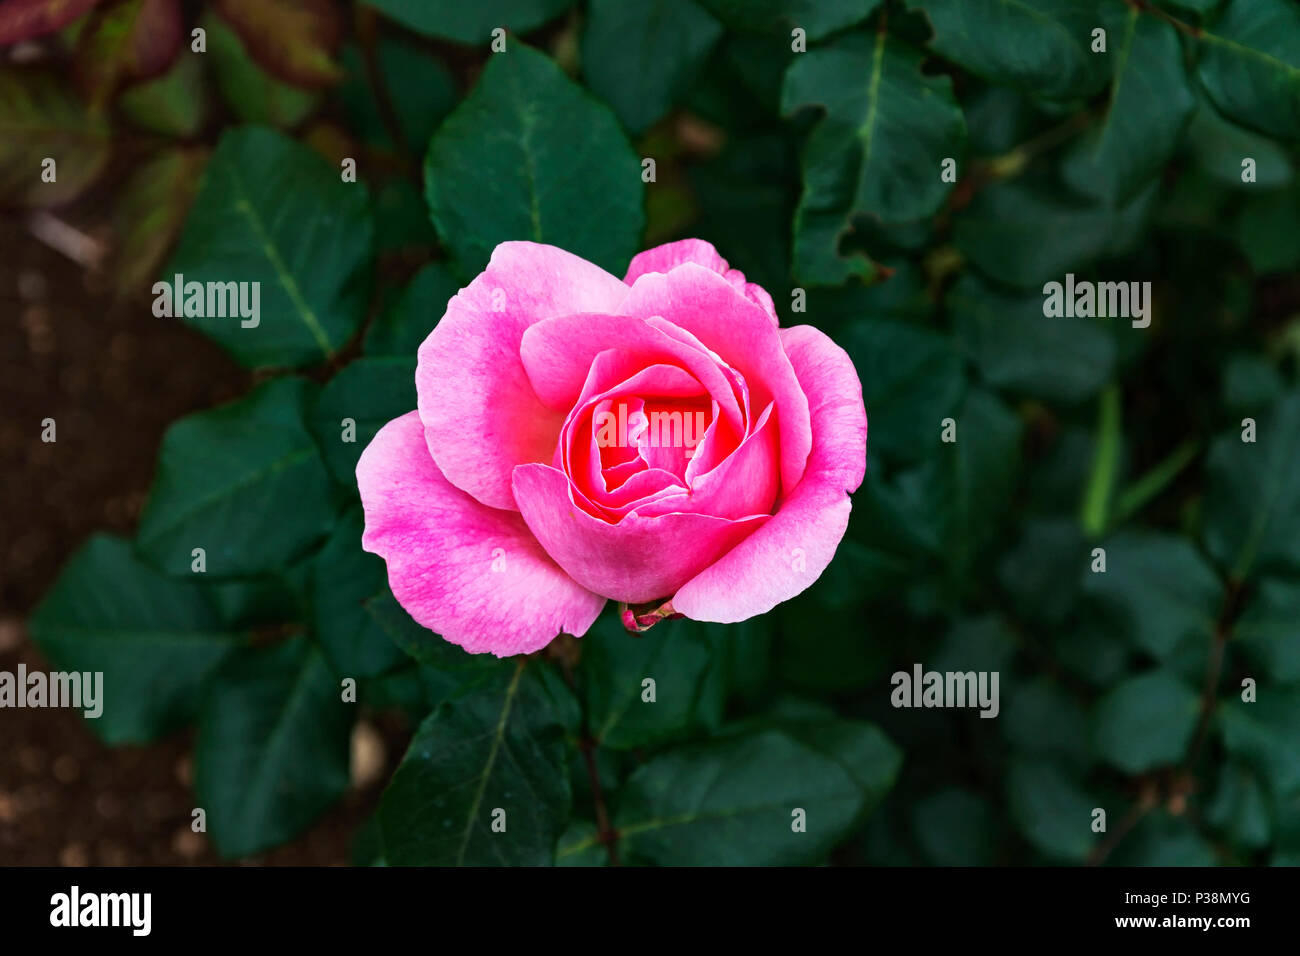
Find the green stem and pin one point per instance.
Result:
(1146, 488)
(1097, 496)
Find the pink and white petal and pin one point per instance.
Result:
(480, 414)
(670, 255)
(702, 303)
(637, 559)
(791, 551)
(472, 573)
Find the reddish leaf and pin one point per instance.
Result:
(39, 120)
(150, 212)
(27, 19)
(293, 39)
(132, 40)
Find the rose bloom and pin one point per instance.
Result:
(527, 489)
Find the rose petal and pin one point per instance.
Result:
(667, 257)
(744, 483)
(474, 574)
(638, 559)
(702, 303)
(480, 414)
(559, 354)
(761, 571)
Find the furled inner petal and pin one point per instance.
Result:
(744, 483)
(704, 304)
(610, 445)
(560, 353)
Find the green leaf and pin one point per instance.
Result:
(273, 599)
(1252, 505)
(1266, 230)
(427, 647)
(402, 328)
(640, 55)
(150, 211)
(1160, 589)
(1269, 629)
(500, 747)
(367, 847)
(244, 481)
(911, 380)
(361, 399)
(746, 197)
(273, 212)
(155, 640)
(1091, 648)
(444, 670)
(687, 662)
(1263, 736)
(883, 547)
(821, 644)
(420, 87)
(1016, 347)
(1250, 65)
(1145, 722)
(956, 827)
(1042, 720)
(402, 223)
(39, 120)
(1039, 46)
(1240, 808)
(1025, 235)
(1218, 148)
(345, 578)
(964, 491)
(272, 747)
(1150, 103)
(877, 151)
(529, 155)
(1251, 383)
(580, 846)
(819, 18)
(1160, 839)
(471, 23)
(1050, 809)
(974, 644)
(175, 104)
(1044, 570)
(730, 801)
(252, 94)
(400, 690)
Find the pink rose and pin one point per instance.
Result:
(655, 441)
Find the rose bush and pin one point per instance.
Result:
(505, 514)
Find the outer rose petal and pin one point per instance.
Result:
(440, 545)
(672, 254)
(638, 559)
(759, 573)
(480, 414)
